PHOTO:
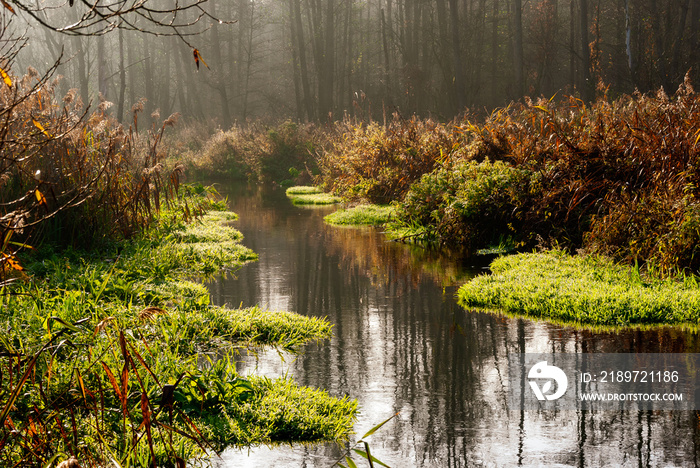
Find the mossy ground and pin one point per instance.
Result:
(582, 290)
(111, 330)
(364, 215)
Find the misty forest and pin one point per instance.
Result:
(245, 233)
(319, 60)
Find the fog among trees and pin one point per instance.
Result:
(322, 59)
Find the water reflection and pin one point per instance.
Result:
(403, 345)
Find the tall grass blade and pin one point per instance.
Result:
(375, 428)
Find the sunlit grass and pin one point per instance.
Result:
(302, 190)
(586, 290)
(371, 215)
(280, 411)
(304, 195)
(111, 330)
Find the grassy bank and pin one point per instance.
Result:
(582, 290)
(105, 356)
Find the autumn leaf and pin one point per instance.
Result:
(40, 197)
(9, 7)
(197, 58)
(38, 125)
(11, 262)
(6, 78)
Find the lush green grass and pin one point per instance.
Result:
(372, 215)
(302, 190)
(585, 290)
(281, 411)
(305, 195)
(104, 334)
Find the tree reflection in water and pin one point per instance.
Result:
(402, 344)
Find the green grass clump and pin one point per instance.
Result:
(371, 215)
(208, 328)
(584, 290)
(311, 197)
(281, 411)
(302, 190)
(107, 348)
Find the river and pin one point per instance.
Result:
(402, 345)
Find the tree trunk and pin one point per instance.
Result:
(495, 98)
(694, 40)
(122, 78)
(585, 86)
(519, 85)
(326, 67)
(306, 88)
(679, 41)
(459, 81)
(148, 81)
(101, 67)
(659, 44)
(220, 81)
(628, 40)
(80, 54)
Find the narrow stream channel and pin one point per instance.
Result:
(402, 344)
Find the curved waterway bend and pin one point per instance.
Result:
(402, 344)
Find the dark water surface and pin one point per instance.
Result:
(402, 344)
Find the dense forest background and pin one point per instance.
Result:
(319, 59)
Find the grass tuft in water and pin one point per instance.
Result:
(305, 195)
(302, 190)
(368, 215)
(584, 290)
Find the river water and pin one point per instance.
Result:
(402, 345)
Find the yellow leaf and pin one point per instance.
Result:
(40, 197)
(38, 125)
(198, 57)
(6, 78)
(11, 262)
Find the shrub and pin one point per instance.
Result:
(282, 154)
(379, 163)
(79, 176)
(618, 177)
(468, 203)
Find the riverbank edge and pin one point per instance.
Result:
(589, 291)
(143, 294)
